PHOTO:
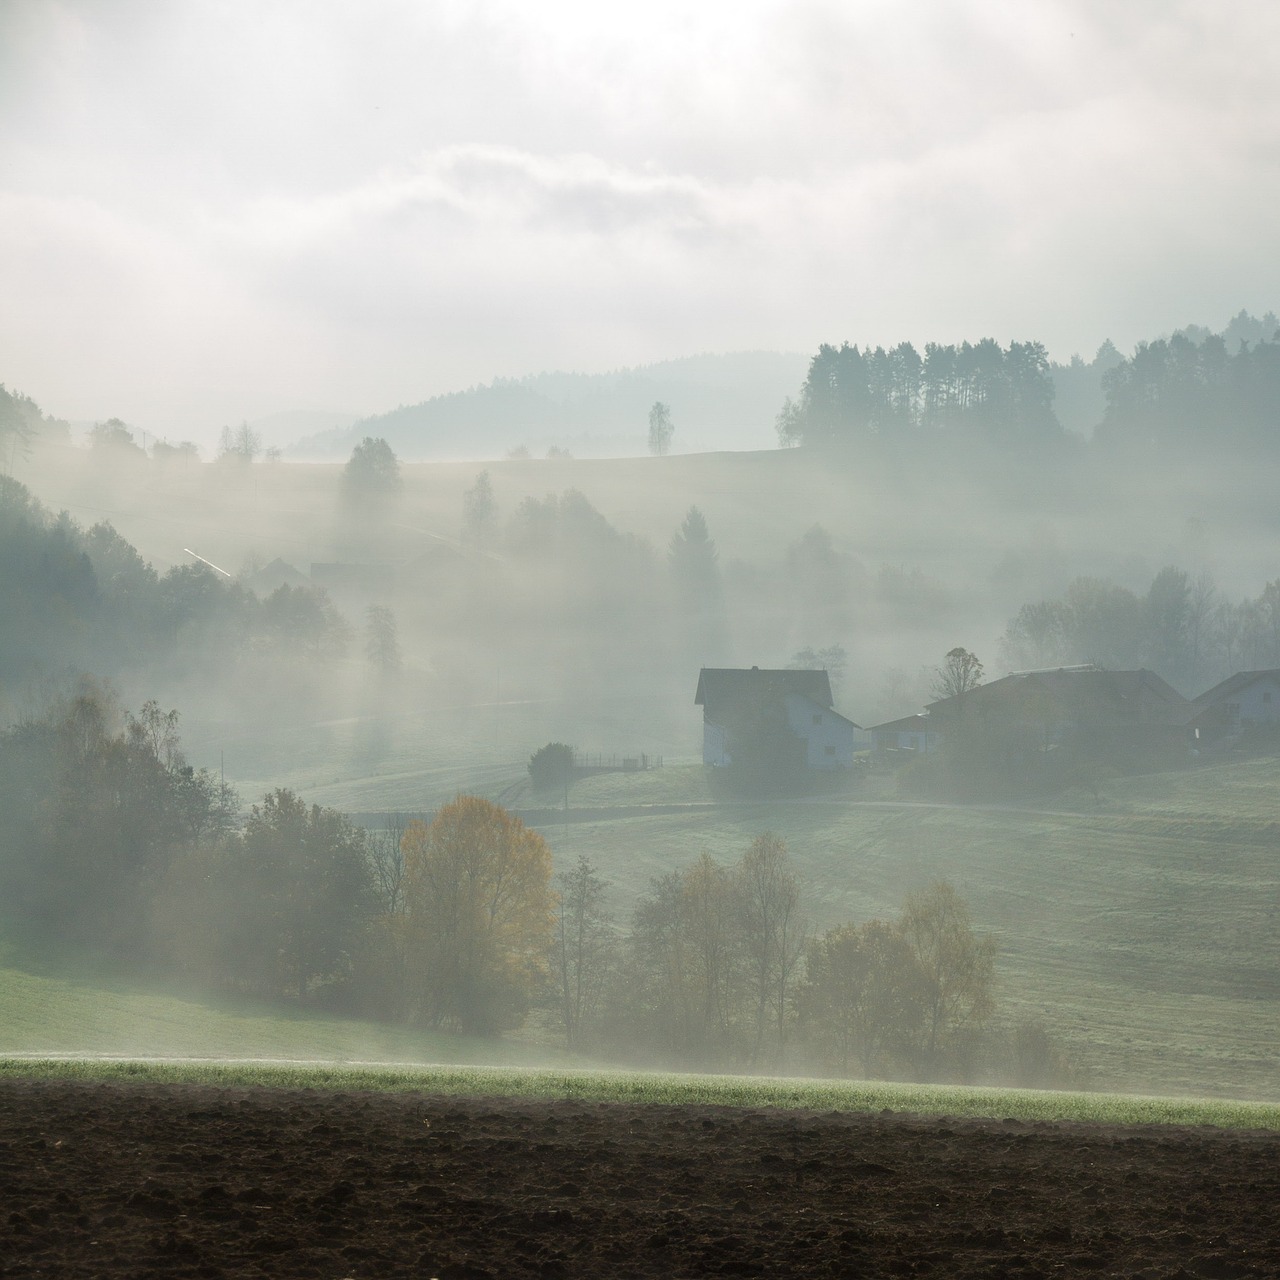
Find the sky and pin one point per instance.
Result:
(214, 211)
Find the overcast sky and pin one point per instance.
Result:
(212, 211)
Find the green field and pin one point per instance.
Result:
(1148, 944)
(58, 1012)
(1142, 930)
(1144, 934)
(1024, 1105)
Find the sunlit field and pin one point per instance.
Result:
(1140, 931)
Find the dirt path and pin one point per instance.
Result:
(196, 1181)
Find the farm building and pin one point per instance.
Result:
(1085, 704)
(780, 718)
(910, 733)
(1247, 700)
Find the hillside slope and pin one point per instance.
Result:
(1145, 934)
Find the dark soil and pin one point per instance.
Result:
(100, 1180)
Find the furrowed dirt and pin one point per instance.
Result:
(101, 1180)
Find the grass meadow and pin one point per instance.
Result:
(1146, 942)
(1022, 1105)
(1141, 930)
(1142, 934)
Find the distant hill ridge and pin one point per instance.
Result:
(717, 401)
(726, 401)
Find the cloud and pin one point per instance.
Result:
(215, 217)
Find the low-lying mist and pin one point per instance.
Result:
(379, 644)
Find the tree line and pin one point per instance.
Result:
(85, 599)
(719, 968)
(1178, 395)
(981, 390)
(110, 843)
(1184, 628)
(1172, 395)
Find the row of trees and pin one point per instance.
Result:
(1190, 391)
(96, 806)
(573, 566)
(979, 390)
(86, 599)
(1183, 627)
(720, 968)
(1179, 394)
(22, 424)
(109, 841)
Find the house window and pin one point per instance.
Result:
(817, 717)
(830, 750)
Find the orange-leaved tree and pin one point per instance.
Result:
(479, 906)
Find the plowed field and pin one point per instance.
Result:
(102, 1180)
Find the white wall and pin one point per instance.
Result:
(821, 728)
(713, 745)
(1259, 702)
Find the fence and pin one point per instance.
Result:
(587, 762)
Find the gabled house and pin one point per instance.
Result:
(783, 720)
(1244, 701)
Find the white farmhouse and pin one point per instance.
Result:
(772, 713)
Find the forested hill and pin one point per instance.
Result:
(1190, 391)
(716, 401)
(732, 401)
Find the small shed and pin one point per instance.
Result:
(910, 733)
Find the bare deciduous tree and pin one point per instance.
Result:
(661, 428)
(956, 965)
(958, 675)
(772, 935)
(586, 950)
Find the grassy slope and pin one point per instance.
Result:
(51, 1013)
(1144, 935)
(652, 1087)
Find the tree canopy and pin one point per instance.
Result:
(372, 472)
(479, 908)
(977, 390)
(551, 767)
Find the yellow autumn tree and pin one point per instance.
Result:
(479, 909)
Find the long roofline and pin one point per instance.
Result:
(1240, 680)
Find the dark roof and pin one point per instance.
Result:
(1128, 695)
(276, 574)
(1232, 684)
(918, 723)
(718, 684)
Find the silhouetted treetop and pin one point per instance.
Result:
(373, 471)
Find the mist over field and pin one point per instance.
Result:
(411, 428)
(379, 637)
